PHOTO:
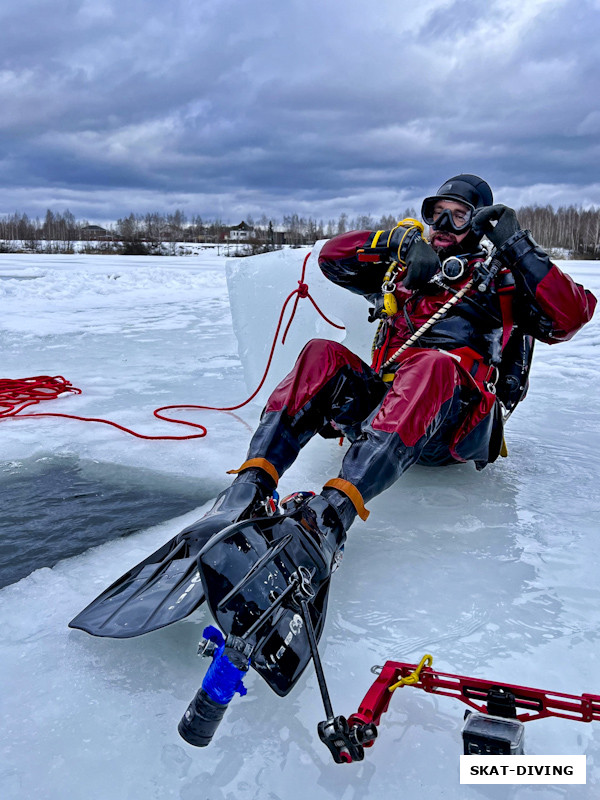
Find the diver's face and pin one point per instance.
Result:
(461, 216)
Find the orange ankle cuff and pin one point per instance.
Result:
(352, 493)
(261, 463)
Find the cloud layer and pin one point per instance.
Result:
(225, 108)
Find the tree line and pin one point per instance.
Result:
(572, 229)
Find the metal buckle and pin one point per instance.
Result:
(490, 383)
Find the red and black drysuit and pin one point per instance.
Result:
(439, 406)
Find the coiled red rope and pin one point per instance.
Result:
(18, 394)
(15, 395)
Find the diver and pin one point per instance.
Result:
(437, 398)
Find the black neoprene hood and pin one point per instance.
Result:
(469, 189)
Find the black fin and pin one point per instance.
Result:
(162, 589)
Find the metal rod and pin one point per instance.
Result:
(316, 658)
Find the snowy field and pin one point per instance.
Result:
(493, 573)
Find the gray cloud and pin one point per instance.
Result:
(224, 108)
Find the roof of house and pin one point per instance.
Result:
(243, 226)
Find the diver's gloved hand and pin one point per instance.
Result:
(386, 247)
(422, 262)
(506, 224)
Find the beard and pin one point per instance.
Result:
(446, 243)
(440, 240)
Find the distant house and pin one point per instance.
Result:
(94, 233)
(241, 232)
(276, 234)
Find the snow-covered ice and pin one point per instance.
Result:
(494, 573)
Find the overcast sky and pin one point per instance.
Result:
(227, 109)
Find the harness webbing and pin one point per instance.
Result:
(506, 310)
(431, 321)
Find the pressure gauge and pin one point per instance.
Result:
(454, 267)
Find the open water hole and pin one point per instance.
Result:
(56, 507)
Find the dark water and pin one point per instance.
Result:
(53, 508)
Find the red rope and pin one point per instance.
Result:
(15, 395)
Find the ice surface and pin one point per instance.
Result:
(494, 573)
(133, 333)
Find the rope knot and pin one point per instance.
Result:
(302, 289)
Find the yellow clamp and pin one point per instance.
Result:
(390, 304)
(395, 271)
(413, 678)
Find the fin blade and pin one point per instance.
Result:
(162, 589)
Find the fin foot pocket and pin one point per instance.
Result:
(245, 569)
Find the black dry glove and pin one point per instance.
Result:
(403, 244)
(506, 224)
(422, 263)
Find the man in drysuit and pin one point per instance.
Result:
(434, 401)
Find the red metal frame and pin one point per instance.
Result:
(473, 691)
